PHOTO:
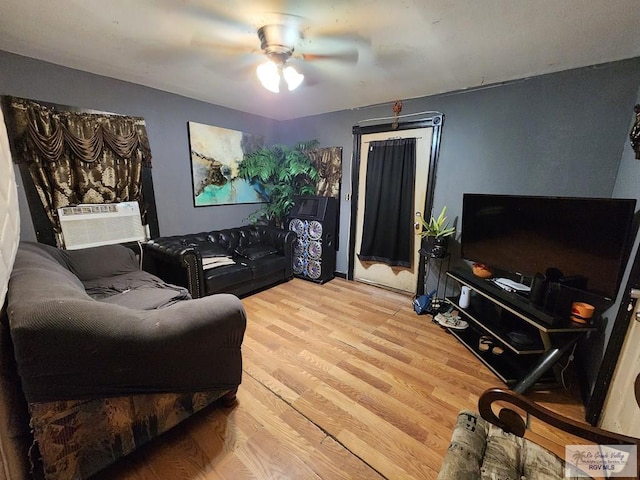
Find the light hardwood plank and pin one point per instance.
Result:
(341, 381)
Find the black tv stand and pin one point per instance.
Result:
(532, 339)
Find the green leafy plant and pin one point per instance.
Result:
(281, 172)
(437, 226)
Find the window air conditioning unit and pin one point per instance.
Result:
(92, 225)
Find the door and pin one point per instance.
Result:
(621, 412)
(403, 279)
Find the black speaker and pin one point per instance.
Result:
(539, 287)
(314, 220)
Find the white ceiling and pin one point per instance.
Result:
(208, 50)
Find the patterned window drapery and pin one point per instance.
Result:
(76, 158)
(328, 162)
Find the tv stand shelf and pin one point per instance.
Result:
(525, 333)
(486, 325)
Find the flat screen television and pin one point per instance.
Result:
(582, 237)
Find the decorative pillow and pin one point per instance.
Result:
(254, 252)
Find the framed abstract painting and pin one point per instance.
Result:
(216, 154)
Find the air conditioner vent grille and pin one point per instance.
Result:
(87, 226)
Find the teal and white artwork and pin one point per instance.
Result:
(216, 154)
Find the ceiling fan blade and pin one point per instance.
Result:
(349, 56)
(205, 42)
(338, 46)
(339, 37)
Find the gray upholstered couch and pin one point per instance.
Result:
(108, 356)
(258, 257)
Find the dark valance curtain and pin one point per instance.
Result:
(76, 158)
(387, 231)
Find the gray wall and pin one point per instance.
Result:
(628, 177)
(557, 134)
(166, 116)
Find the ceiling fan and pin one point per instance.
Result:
(278, 41)
(283, 38)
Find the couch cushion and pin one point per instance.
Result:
(270, 265)
(224, 278)
(254, 252)
(101, 262)
(212, 250)
(479, 450)
(139, 290)
(464, 456)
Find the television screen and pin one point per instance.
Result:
(582, 237)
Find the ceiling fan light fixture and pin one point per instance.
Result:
(269, 76)
(292, 77)
(277, 41)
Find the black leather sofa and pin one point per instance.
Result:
(241, 260)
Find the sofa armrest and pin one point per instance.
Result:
(177, 261)
(193, 345)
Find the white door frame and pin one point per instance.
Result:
(402, 279)
(434, 122)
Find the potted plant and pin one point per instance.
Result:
(437, 232)
(281, 172)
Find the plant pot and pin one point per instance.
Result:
(437, 247)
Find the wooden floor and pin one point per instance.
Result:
(341, 381)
